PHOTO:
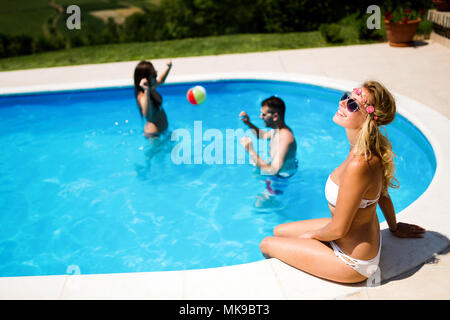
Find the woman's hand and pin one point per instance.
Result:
(144, 84)
(406, 230)
(169, 63)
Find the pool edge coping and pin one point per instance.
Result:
(431, 123)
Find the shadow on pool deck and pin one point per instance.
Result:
(420, 43)
(433, 260)
(399, 256)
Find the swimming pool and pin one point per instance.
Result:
(80, 186)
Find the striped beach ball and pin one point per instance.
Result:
(196, 95)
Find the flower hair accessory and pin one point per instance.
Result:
(358, 91)
(369, 109)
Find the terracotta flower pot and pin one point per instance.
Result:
(401, 34)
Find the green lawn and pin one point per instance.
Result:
(174, 48)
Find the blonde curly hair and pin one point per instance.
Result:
(370, 140)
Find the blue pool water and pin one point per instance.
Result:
(80, 187)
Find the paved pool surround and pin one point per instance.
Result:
(268, 278)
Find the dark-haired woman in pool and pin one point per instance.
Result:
(148, 99)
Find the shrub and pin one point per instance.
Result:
(20, 45)
(42, 44)
(331, 32)
(425, 27)
(75, 41)
(15, 45)
(4, 41)
(143, 27)
(365, 33)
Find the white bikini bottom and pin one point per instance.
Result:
(364, 267)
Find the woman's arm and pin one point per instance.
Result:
(164, 75)
(144, 100)
(399, 229)
(387, 207)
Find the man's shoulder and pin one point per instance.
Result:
(287, 134)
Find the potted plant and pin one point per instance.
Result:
(442, 5)
(401, 26)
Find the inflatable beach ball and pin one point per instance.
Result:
(196, 95)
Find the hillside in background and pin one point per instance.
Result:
(36, 17)
(35, 26)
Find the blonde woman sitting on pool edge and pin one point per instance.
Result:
(346, 247)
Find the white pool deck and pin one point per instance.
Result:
(418, 76)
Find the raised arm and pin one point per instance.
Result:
(163, 76)
(260, 134)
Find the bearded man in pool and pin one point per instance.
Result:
(283, 147)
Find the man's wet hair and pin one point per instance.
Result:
(275, 104)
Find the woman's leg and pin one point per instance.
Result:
(297, 228)
(311, 256)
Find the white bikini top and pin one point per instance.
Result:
(331, 193)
